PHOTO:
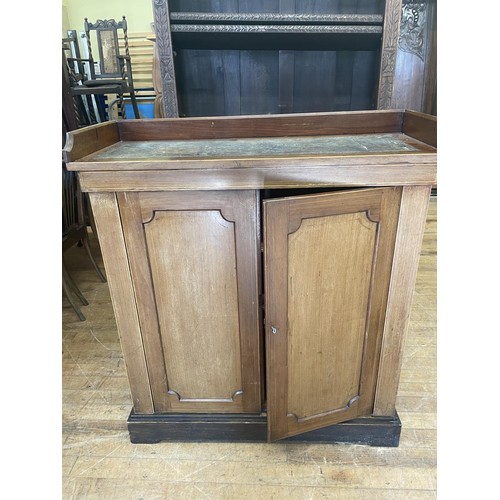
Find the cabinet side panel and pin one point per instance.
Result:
(326, 329)
(133, 232)
(108, 224)
(412, 216)
(193, 262)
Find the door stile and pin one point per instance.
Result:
(276, 219)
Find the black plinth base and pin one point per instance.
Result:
(220, 427)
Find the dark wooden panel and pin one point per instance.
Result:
(314, 76)
(281, 6)
(200, 82)
(368, 6)
(340, 6)
(208, 82)
(259, 5)
(286, 81)
(364, 80)
(259, 82)
(204, 5)
(287, 6)
(277, 38)
(214, 83)
(343, 83)
(334, 81)
(230, 64)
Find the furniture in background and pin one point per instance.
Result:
(286, 56)
(74, 231)
(261, 268)
(114, 75)
(75, 213)
(73, 75)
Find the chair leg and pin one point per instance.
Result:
(121, 108)
(92, 223)
(134, 105)
(90, 214)
(90, 105)
(100, 108)
(72, 285)
(86, 245)
(70, 289)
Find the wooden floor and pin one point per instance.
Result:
(100, 462)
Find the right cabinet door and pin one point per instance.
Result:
(328, 261)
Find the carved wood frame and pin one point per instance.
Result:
(391, 27)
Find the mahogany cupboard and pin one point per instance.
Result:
(261, 268)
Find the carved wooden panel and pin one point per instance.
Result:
(165, 58)
(193, 259)
(415, 74)
(389, 53)
(323, 346)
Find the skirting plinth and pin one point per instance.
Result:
(223, 427)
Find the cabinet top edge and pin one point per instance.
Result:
(89, 141)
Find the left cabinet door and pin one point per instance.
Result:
(193, 262)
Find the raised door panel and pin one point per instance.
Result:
(327, 266)
(193, 263)
(193, 259)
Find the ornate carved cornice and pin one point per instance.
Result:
(411, 36)
(271, 28)
(229, 17)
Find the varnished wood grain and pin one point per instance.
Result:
(98, 460)
(193, 259)
(295, 175)
(193, 263)
(157, 218)
(421, 126)
(325, 328)
(131, 218)
(411, 225)
(299, 124)
(295, 358)
(84, 141)
(105, 209)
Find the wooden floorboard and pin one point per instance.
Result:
(99, 462)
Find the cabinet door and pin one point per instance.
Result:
(328, 262)
(194, 267)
